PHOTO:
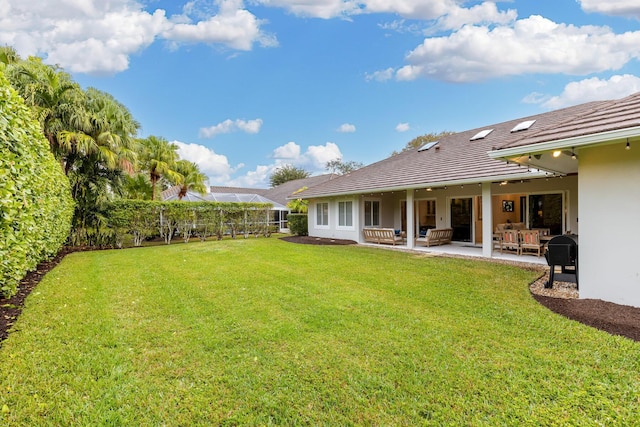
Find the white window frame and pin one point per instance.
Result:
(369, 222)
(345, 215)
(322, 213)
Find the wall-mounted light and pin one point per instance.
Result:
(557, 153)
(429, 189)
(627, 147)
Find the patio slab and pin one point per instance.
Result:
(465, 249)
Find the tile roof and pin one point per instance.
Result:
(280, 193)
(456, 159)
(593, 118)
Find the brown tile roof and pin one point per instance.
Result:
(459, 160)
(593, 118)
(280, 193)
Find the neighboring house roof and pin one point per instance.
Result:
(280, 193)
(242, 198)
(463, 158)
(172, 193)
(235, 197)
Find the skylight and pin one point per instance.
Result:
(523, 126)
(428, 145)
(480, 135)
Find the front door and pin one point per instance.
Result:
(461, 219)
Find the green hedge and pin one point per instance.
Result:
(35, 197)
(298, 224)
(140, 219)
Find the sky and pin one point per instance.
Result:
(245, 87)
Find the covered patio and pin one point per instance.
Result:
(464, 250)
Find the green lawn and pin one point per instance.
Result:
(260, 331)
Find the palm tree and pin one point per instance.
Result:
(55, 99)
(159, 159)
(192, 178)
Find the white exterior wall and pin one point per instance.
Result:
(390, 205)
(609, 265)
(333, 230)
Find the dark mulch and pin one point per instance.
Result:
(308, 240)
(10, 308)
(612, 318)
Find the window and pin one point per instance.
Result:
(322, 214)
(371, 213)
(345, 214)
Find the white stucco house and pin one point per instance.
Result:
(575, 170)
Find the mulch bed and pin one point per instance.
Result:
(308, 240)
(613, 318)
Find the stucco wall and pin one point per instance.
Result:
(390, 205)
(609, 181)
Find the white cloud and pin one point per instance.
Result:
(624, 8)
(257, 178)
(593, 89)
(316, 8)
(214, 165)
(313, 160)
(99, 37)
(532, 45)
(380, 76)
(484, 13)
(347, 128)
(232, 26)
(402, 127)
(290, 150)
(228, 126)
(319, 155)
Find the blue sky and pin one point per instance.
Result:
(243, 87)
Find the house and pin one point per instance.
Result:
(277, 196)
(546, 170)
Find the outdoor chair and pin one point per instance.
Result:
(510, 241)
(530, 240)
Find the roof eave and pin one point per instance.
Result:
(609, 137)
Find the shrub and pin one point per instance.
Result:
(35, 197)
(298, 224)
(140, 219)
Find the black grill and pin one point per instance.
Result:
(562, 251)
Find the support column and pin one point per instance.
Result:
(487, 221)
(410, 220)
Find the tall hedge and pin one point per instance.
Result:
(35, 197)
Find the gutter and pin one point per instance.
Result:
(609, 137)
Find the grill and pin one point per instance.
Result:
(562, 251)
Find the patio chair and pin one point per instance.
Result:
(530, 240)
(510, 241)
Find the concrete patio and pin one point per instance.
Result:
(465, 249)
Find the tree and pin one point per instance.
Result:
(419, 141)
(287, 173)
(339, 167)
(192, 178)
(159, 159)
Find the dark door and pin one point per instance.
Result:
(461, 216)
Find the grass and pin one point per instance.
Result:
(260, 332)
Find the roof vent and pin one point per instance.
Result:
(523, 126)
(428, 145)
(481, 135)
